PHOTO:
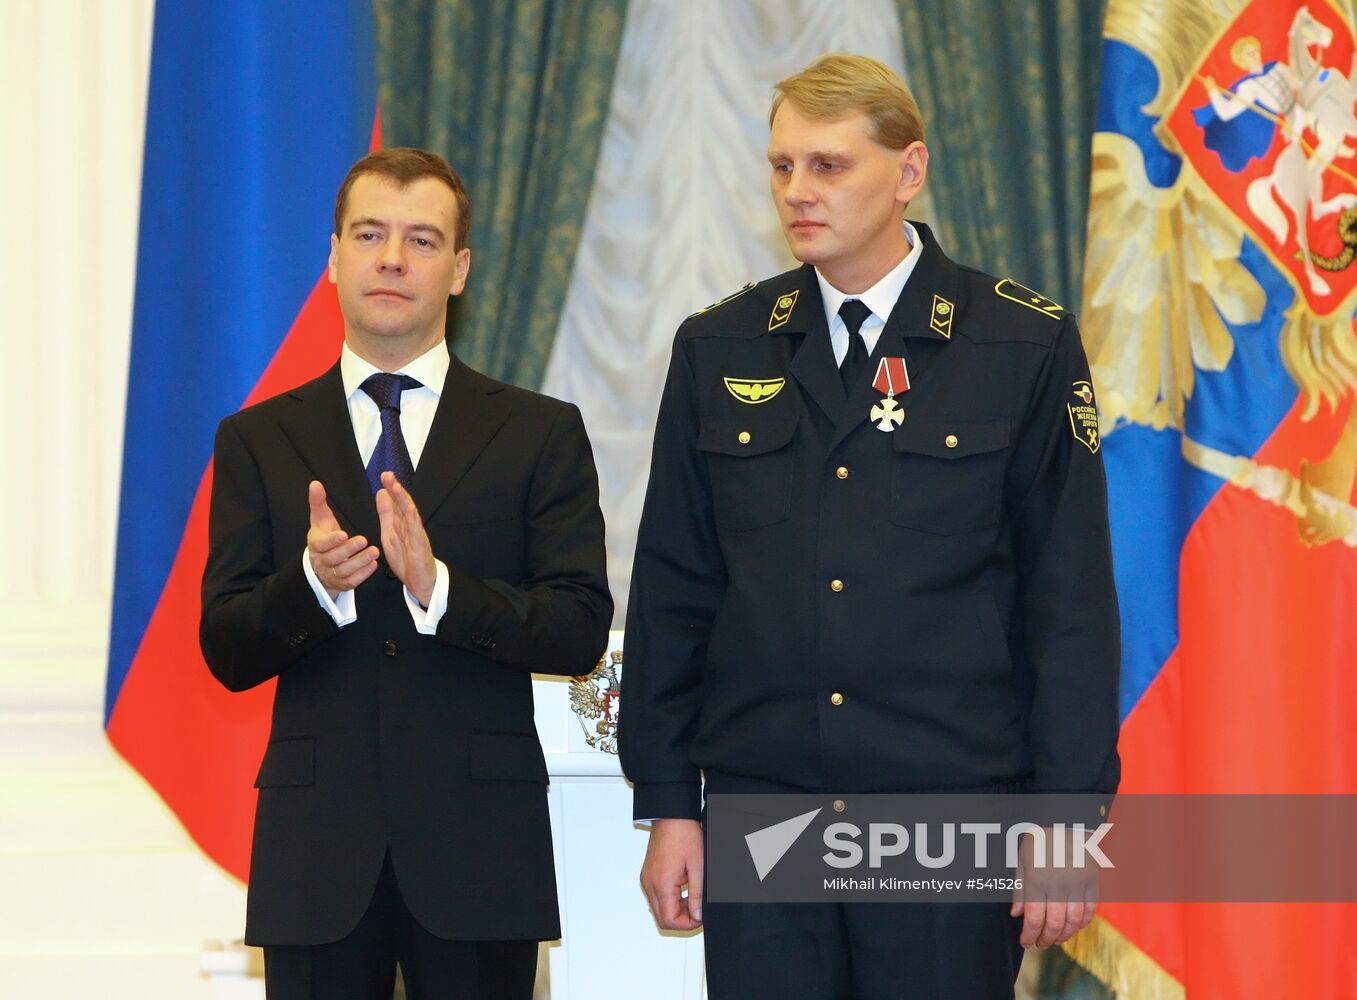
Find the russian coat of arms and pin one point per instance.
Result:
(595, 698)
(1250, 138)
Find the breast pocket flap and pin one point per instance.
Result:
(745, 438)
(951, 440)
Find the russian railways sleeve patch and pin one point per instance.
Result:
(1084, 416)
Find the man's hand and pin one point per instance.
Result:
(340, 562)
(673, 859)
(408, 551)
(1054, 902)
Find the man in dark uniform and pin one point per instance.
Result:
(874, 557)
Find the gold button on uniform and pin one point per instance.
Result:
(836, 585)
(836, 698)
(840, 805)
(744, 437)
(950, 440)
(841, 472)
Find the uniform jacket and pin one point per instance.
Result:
(383, 738)
(820, 603)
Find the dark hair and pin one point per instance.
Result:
(403, 165)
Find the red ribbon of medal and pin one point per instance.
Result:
(891, 377)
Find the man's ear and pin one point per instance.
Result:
(913, 172)
(332, 266)
(461, 269)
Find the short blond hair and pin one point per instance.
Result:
(838, 85)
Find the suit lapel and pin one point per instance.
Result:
(813, 365)
(471, 410)
(320, 429)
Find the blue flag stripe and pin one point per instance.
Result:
(254, 114)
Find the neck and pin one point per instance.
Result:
(856, 276)
(389, 354)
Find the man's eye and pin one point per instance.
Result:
(366, 237)
(826, 166)
(422, 242)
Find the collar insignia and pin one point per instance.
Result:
(782, 309)
(753, 391)
(941, 320)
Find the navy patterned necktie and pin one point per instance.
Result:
(854, 313)
(390, 455)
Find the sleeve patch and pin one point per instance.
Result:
(1084, 416)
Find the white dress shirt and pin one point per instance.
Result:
(880, 299)
(417, 411)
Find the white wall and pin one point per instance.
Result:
(103, 894)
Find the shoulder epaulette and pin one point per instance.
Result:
(1009, 289)
(721, 302)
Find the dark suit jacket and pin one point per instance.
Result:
(383, 738)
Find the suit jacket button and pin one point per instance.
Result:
(836, 585)
(836, 699)
(389, 647)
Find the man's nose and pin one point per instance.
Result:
(797, 190)
(392, 257)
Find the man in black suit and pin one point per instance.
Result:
(873, 557)
(402, 808)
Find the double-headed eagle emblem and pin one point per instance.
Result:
(1260, 158)
(597, 696)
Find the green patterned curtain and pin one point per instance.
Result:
(1009, 91)
(1009, 94)
(515, 94)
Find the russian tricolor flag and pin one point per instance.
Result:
(256, 111)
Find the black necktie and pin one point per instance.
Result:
(390, 455)
(854, 313)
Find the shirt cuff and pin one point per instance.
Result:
(426, 619)
(343, 609)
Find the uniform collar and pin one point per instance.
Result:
(882, 296)
(926, 306)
